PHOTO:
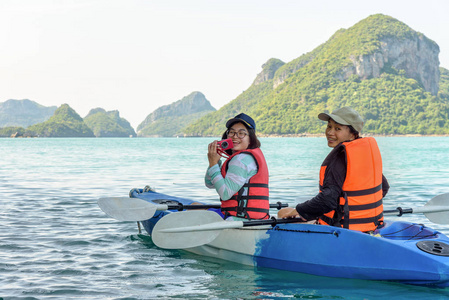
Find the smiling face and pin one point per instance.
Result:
(337, 133)
(239, 143)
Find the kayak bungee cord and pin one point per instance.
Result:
(335, 233)
(391, 235)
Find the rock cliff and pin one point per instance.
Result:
(416, 55)
(268, 70)
(168, 120)
(193, 103)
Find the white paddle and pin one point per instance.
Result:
(193, 228)
(127, 209)
(135, 209)
(436, 210)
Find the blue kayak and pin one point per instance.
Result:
(400, 251)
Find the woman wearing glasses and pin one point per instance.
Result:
(242, 180)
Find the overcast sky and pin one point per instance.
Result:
(136, 55)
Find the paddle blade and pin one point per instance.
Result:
(127, 209)
(442, 202)
(185, 239)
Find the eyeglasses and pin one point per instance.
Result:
(240, 134)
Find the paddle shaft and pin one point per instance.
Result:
(273, 221)
(400, 211)
(180, 206)
(229, 225)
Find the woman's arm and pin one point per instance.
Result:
(240, 169)
(385, 186)
(214, 162)
(208, 178)
(329, 197)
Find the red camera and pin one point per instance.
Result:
(225, 144)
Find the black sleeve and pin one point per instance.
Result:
(331, 190)
(385, 186)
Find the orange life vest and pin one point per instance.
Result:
(255, 205)
(361, 205)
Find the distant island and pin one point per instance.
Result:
(23, 113)
(108, 124)
(380, 66)
(65, 122)
(170, 120)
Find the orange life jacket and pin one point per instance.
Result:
(361, 205)
(255, 205)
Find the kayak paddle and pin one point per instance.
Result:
(436, 210)
(192, 228)
(136, 209)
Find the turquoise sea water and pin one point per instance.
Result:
(55, 243)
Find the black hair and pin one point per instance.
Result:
(353, 131)
(253, 140)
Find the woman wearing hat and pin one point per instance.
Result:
(242, 180)
(351, 181)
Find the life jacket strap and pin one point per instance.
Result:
(328, 220)
(361, 192)
(258, 185)
(364, 192)
(335, 222)
(255, 209)
(375, 220)
(253, 197)
(346, 212)
(365, 206)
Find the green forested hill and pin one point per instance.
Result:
(443, 94)
(64, 123)
(380, 67)
(108, 124)
(391, 104)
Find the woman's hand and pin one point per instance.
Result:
(289, 212)
(212, 154)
